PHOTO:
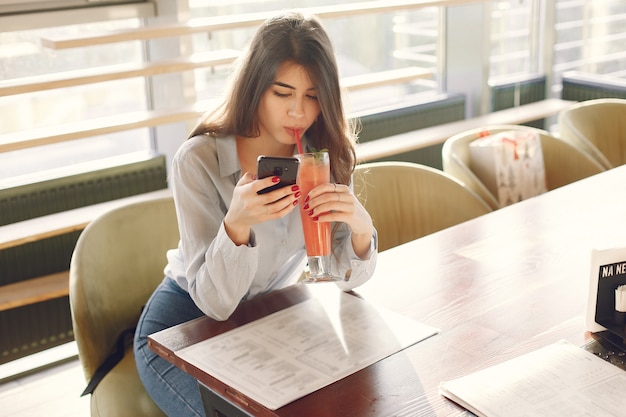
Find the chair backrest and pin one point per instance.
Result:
(598, 127)
(117, 263)
(564, 163)
(408, 200)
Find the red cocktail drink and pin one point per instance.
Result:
(314, 170)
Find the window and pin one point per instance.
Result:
(23, 60)
(590, 37)
(527, 37)
(364, 43)
(514, 39)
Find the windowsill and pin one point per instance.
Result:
(76, 169)
(38, 361)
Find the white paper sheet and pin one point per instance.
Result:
(557, 380)
(298, 350)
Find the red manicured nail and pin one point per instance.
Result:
(275, 179)
(306, 206)
(316, 218)
(298, 194)
(310, 213)
(295, 202)
(306, 200)
(295, 188)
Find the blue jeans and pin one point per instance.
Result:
(174, 391)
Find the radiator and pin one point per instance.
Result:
(524, 91)
(580, 87)
(380, 123)
(38, 258)
(33, 328)
(65, 193)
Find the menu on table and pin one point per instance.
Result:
(560, 379)
(296, 351)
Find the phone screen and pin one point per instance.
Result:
(284, 168)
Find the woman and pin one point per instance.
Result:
(236, 244)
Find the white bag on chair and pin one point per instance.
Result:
(510, 164)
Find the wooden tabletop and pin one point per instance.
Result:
(496, 286)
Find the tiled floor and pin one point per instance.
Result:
(52, 392)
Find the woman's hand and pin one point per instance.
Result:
(248, 208)
(336, 203)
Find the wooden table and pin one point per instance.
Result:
(497, 286)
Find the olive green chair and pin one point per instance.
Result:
(117, 263)
(598, 127)
(408, 200)
(564, 163)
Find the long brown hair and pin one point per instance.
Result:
(289, 36)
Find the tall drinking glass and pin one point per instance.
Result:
(314, 170)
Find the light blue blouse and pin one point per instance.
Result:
(219, 274)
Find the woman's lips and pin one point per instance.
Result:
(293, 130)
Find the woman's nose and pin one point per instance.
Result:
(296, 108)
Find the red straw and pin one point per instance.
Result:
(298, 142)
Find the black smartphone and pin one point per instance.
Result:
(285, 168)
